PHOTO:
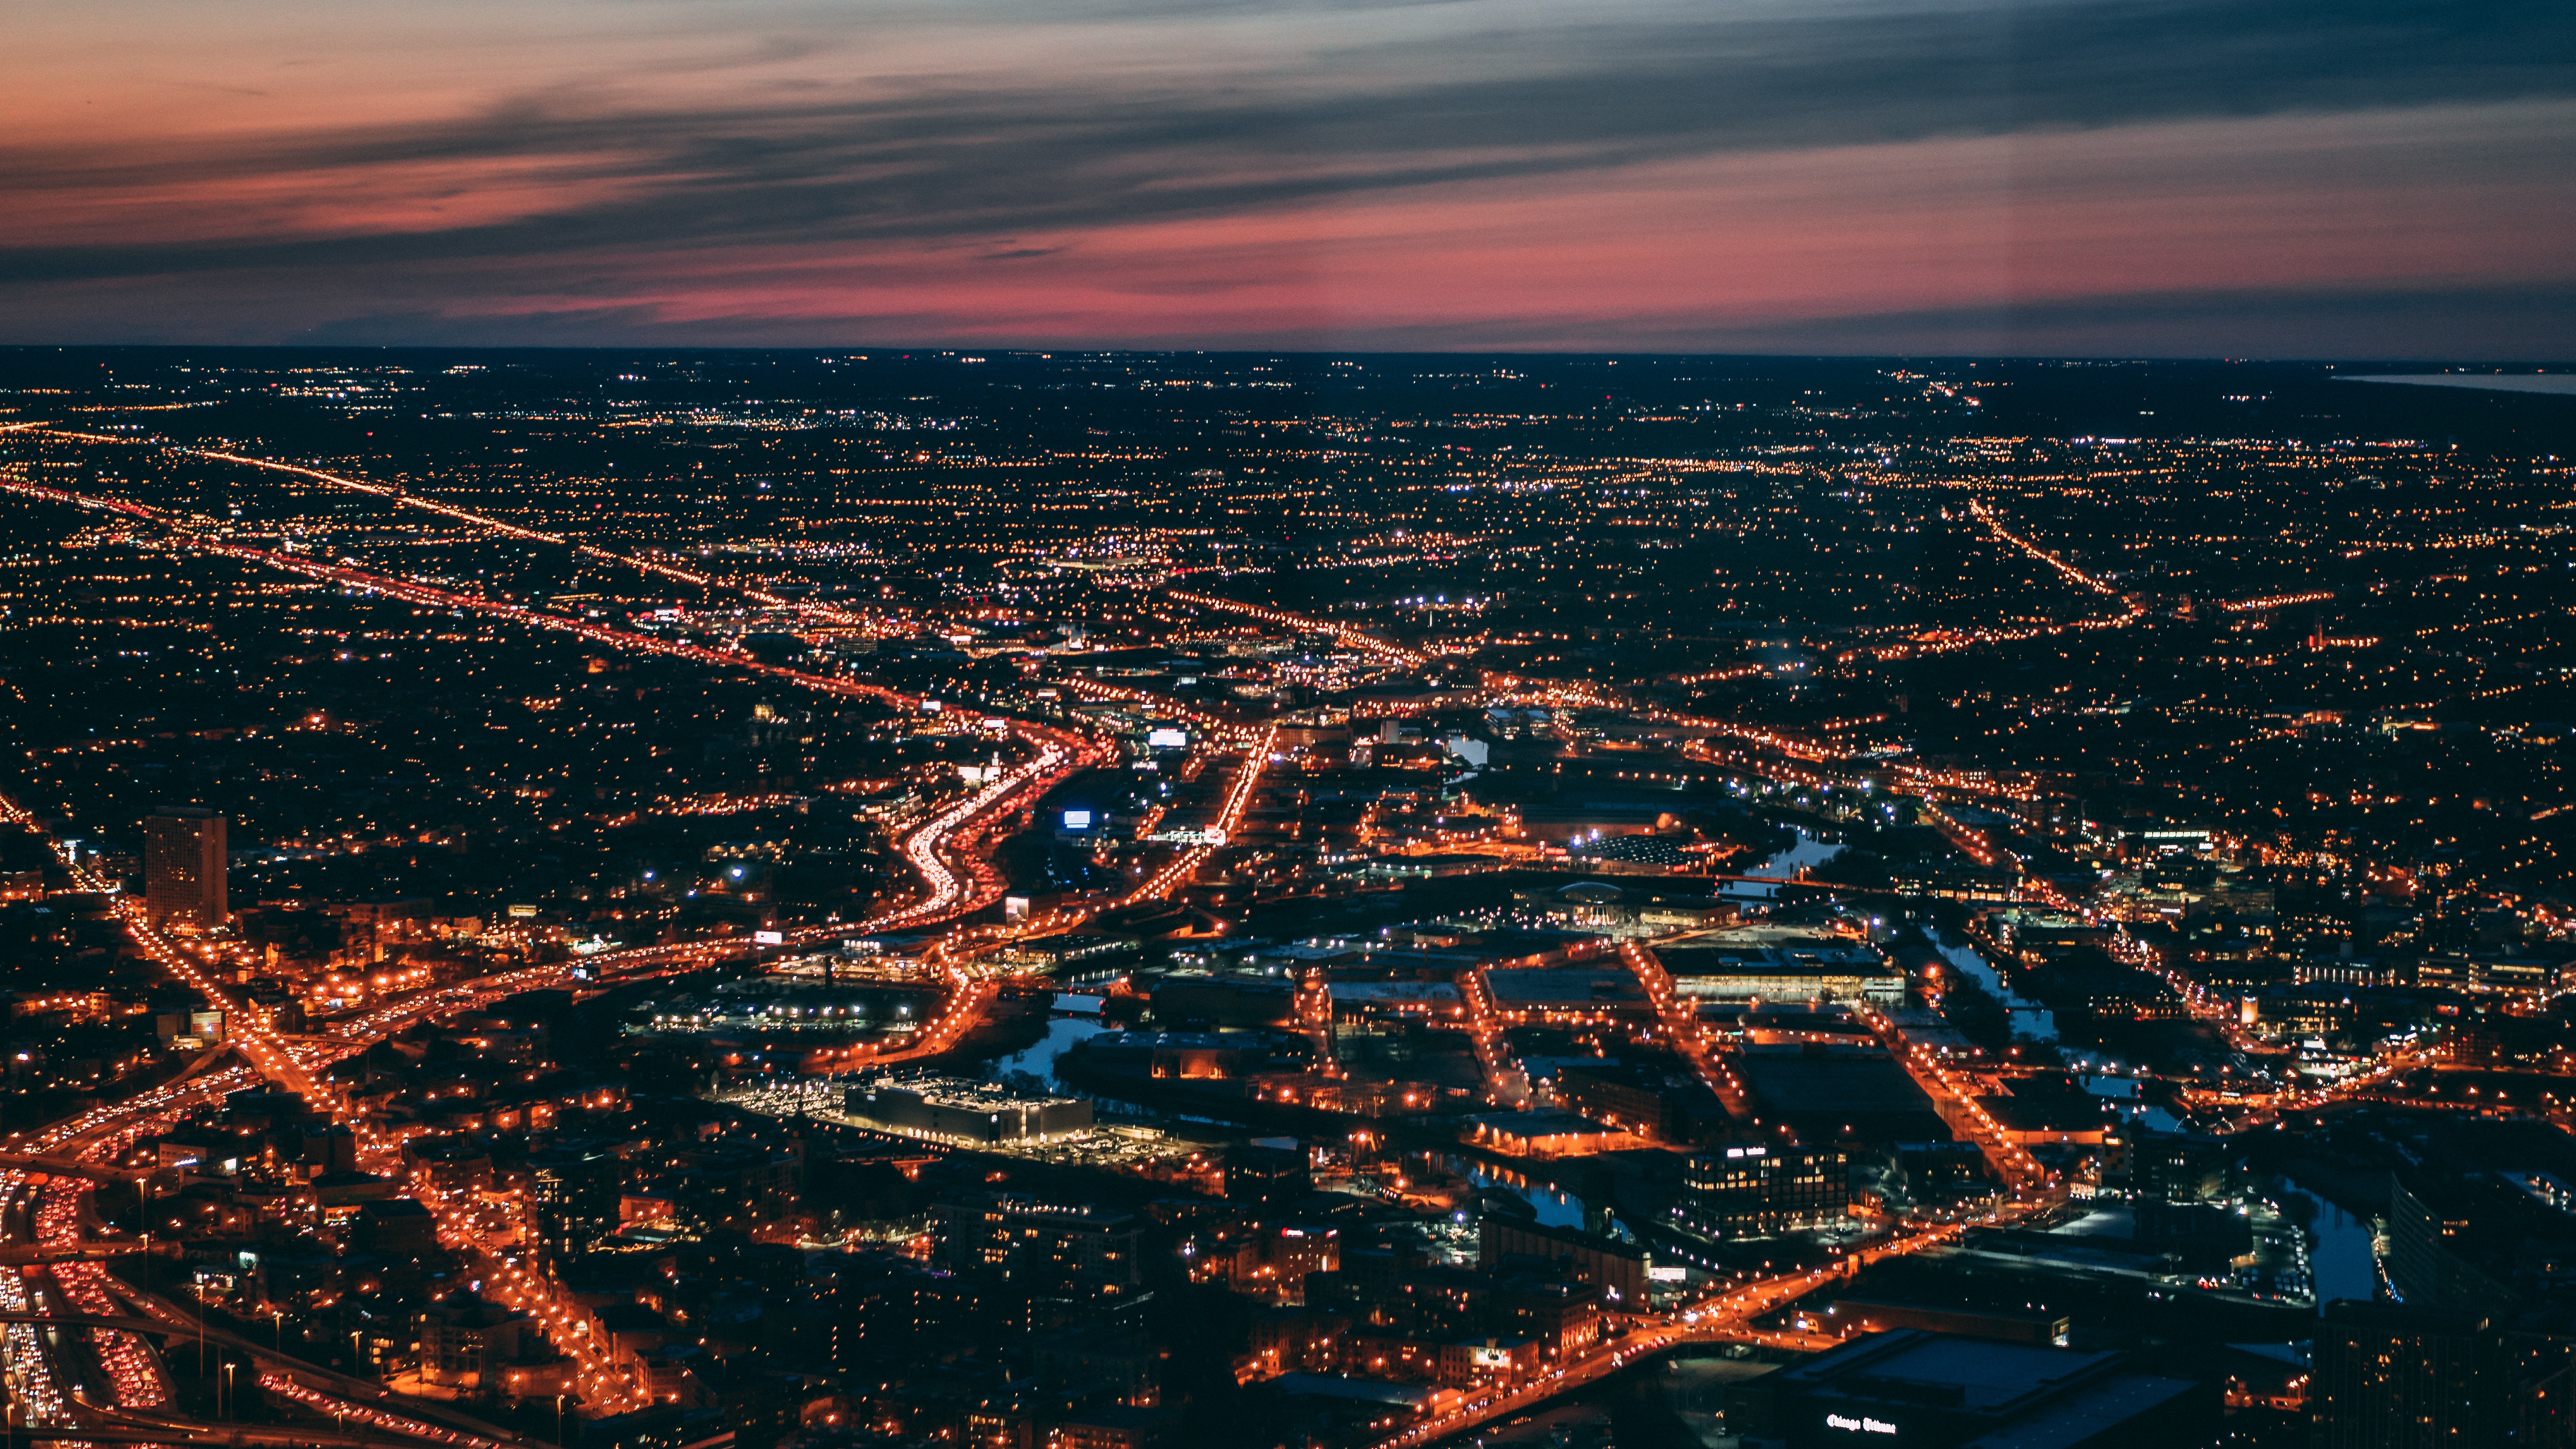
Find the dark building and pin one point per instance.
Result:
(1751, 1192)
(880, 1308)
(1267, 1174)
(1915, 1389)
(2096, 991)
(1874, 1315)
(2178, 1167)
(464, 1341)
(575, 1195)
(1042, 1248)
(1380, 1292)
(398, 1227)
(2388, 1376)
(327, 1149)
(2202, 1237)
(1618, 1267)
(738, 1189)
(1224, 1000)
(1128, 1365)
(2429, 1231)
(1846, 1094)
(1635, 1097)
(1119, 1427)
(1562, 1318)
(1935, 1171)
(1179, 1055)
(184, 866)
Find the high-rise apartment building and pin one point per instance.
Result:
(1755, 1191)
(2388, 1376)
(183, 866)
(1075, 1251)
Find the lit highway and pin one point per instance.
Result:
(951, 882)
(1723, 1317)
(1361, 640)
(605, 1386)
(1247, 779)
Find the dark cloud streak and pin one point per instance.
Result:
(2319, 325)
(965, 161)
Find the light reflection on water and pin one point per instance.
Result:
(2340, 1257)
(2124, 1090)
(1806, 854)
(1555, 1209)
(2029, 1018)
(1039, 1059)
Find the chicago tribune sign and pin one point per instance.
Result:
(1862, 1425)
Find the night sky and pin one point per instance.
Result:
(2362, 179)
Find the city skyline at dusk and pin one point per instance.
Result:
(1180, 724)
(2302, 180)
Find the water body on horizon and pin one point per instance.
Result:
(2552, 384)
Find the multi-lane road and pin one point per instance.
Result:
(94, 1139)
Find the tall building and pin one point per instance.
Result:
(464, 1341)
(575, 1195)
(183, 866)
(2434, 1248)
(1754, 1191)
(2178, 1167)
(1074, 1251)
(2386, 1376)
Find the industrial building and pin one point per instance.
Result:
(1543, 1134)
(1923, 1389)
(1839, 971)
(953, 1109)
(1872, 1315)
(1622, 1268)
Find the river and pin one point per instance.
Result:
(2340, 1259)
(1039, 1058)
(1555, 1209)
(2029, 1018)
(1806, 854)
(2124, 1090)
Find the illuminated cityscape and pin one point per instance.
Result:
(1144, 899)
